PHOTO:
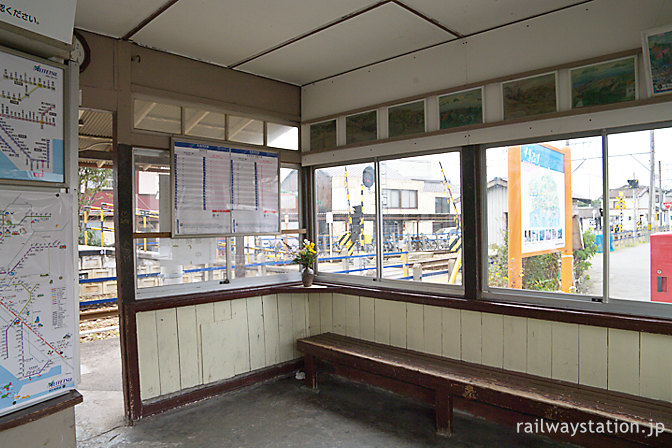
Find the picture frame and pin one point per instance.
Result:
(530, 96)
(657, 51)
(606, 82)
(462, 108)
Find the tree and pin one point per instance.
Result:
(91, 182)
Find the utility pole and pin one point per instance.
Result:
(660, 193)
(652, 180)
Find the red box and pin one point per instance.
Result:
(661, 267)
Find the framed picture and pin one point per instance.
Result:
(530, 96)
(323, 135)
(361, 127)
(461, 108)
(657, 50)
(604, 82)
(406, 119)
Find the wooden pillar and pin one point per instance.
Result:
(471, 228)
(444, 413)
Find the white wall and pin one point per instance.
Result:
(53, 431)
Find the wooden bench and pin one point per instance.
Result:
(441, 381)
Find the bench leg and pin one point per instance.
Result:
(311, 372)
(444, 413)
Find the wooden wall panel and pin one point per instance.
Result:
(381, 322)
(190, 351)
(148, 355)
(623, 367)
(271, 329)
(415, 332)
(451, 338)
(593, 347)
(565, 355)
(432, 330)
(313, 314)
(352, 320)
(656, 366)
(218, 351)
(169, 354)
(539, 346)
(470, 322)
(397, 324)
(222, 310)
(255, 324)
(326, 312)
(515, 343)
(338, 310)
(285, 327)
(367, 318)
(240, 336)
(492, 339)
(299, 325)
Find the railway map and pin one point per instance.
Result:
(31, 120)
(37, 306)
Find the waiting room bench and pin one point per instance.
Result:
(440, 380)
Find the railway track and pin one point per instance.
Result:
(87, 315)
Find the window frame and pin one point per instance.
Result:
(379, 280)
(603, 303)
(229, 283)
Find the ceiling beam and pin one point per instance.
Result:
(310, 33)
(148, 19)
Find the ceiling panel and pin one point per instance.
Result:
(376, 35)
(113, 18)
(226, 32)
(471, 16)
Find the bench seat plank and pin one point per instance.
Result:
(551, 399)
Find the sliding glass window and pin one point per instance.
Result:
(421, 210)
(346, 219)
(544, 226)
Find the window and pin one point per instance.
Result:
(246, 130)
(640, 250)
(206, 263)
(361, 127)
(159, 117)
(323, 135)
(400, 198)
(421, 241)
(543, 216)
(346, 219)
(406, 119)
(204, 123)
(281, 136)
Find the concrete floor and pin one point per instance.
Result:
(276, 414)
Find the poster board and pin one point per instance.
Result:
(31, 120)
(540, 207)
(37, 298)
(221, 190)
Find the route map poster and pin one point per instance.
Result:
(542, 198)
(31, 120)
(37, 304)
(219, 190)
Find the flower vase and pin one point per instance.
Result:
(307, 276)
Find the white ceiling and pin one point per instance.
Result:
(300, 41)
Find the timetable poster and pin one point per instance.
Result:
(219, 190)
(255, 189)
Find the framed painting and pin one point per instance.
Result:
(604, 82)
(657, 50)
(534, 95)
(461, 108)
